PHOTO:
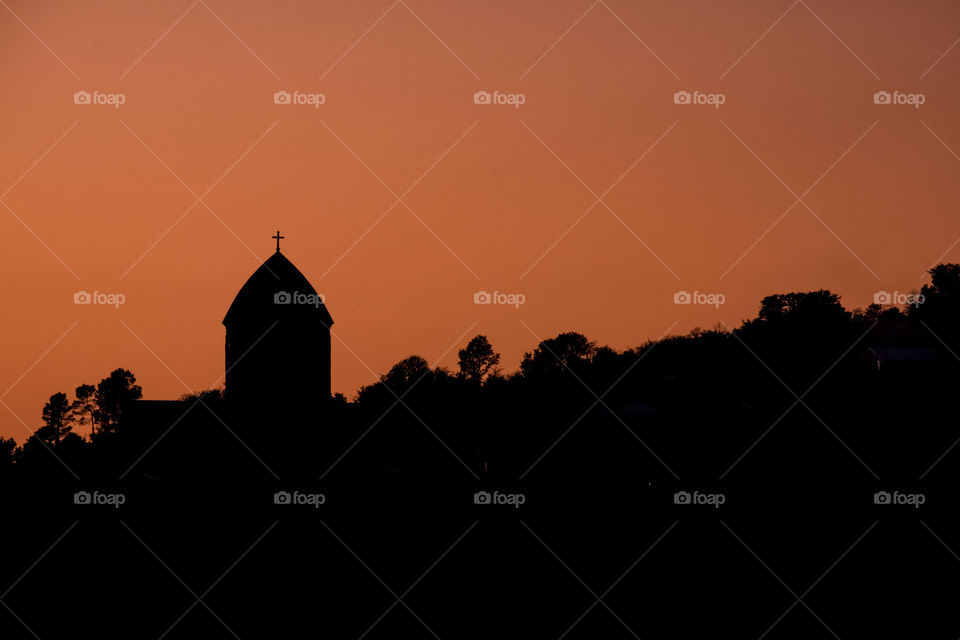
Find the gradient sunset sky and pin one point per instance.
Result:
(597, 199)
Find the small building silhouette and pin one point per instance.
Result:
(277, 343)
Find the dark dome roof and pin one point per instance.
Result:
(256, 299)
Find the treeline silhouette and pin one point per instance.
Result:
(798, 416)
(828, 391)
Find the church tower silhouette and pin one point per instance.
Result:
(277, 343)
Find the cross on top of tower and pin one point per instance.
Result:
(278, 238)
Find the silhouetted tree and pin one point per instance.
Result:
(478, 360)
(55, 420)
(567, 350)
(8, 447)
(113, 396)
(210, 396)
(401, 377)
(83, 409)
(809, 308)
(940, 309)
(406, 373)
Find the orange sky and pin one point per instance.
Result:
(99, 197)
